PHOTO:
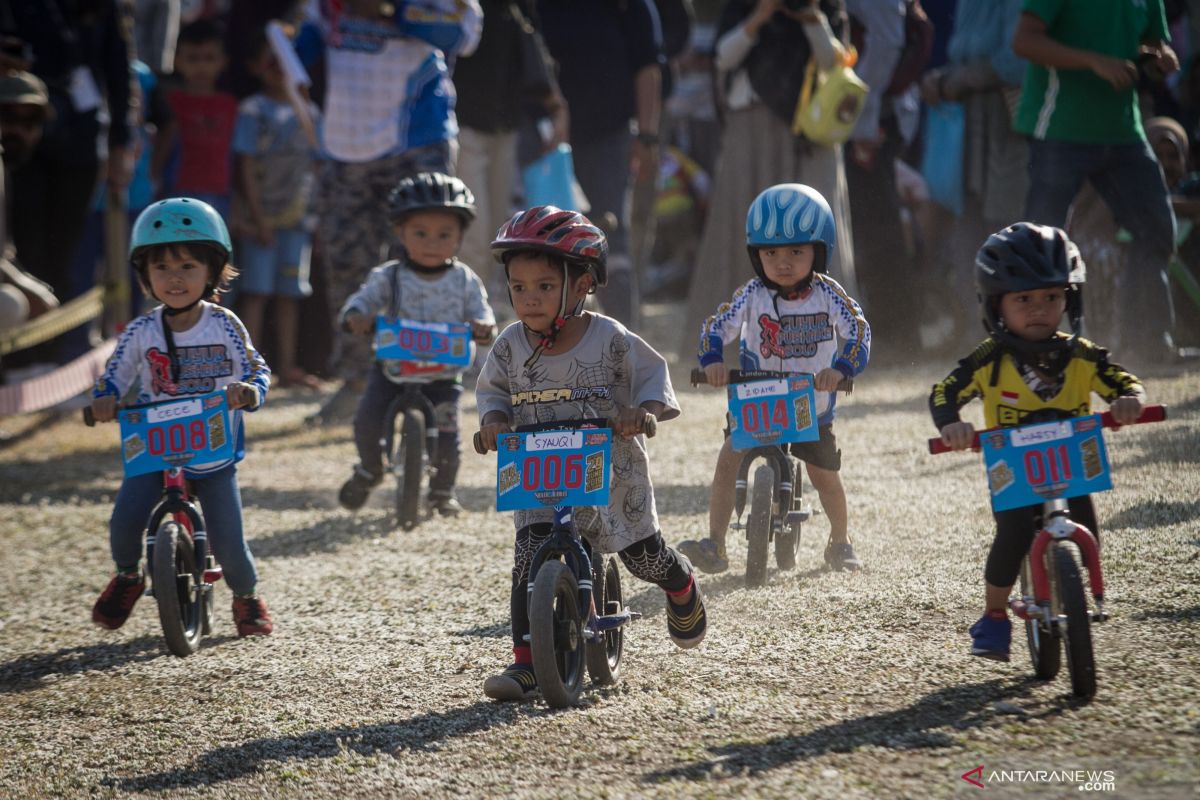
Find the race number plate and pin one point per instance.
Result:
(773, 411)
(553, 468)
(432, 342)
(176, 433)
(1034, 463)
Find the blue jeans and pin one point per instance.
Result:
(1129, 179)
(369, 421)
(221, 504)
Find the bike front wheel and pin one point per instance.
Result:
(604, 655)
(177, 589)
(1045, 652)
(556, 634)
(787, 538)
(758, 531)
(408, 462)
(1081, 660)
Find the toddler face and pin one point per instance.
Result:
(535, 285)
(265, 67)
(200, 64)
(177, 276)
(788, 264)
(1033, 314)
(431, 237)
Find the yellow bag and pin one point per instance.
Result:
(830, 102)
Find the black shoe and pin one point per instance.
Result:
(355, 491)
(517, 682)
(445, 503)
(840, 556)
(688, 623)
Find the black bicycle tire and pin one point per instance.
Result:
(174, 577)
(1045, 647)
(409, 456)
(559, 669)
(1081, 659)
(758, 529)
(787, 538)
(604, 656)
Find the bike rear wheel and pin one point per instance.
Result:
(177, 585)
(1045, 652)
(758, 531)
(787, 538)
(556, 634)
(604, 655)
(408, 463)
(1081, 660)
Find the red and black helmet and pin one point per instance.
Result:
(566, 234)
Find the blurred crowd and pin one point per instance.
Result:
(979, 113)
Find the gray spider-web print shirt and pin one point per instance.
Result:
(609, 369)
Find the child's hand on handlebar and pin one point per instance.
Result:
(358, 324)
(716, 374)
(104, 409)
(827, 380)
(241, 395)
(490, 433)
(482, 332)
(632, 421)
(1126, 410)
(958, 435)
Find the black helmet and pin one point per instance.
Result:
(1027, 256)
(431, 190)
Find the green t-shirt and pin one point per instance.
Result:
(1077, 105)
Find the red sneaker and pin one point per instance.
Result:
(116, 601)
(251, 617)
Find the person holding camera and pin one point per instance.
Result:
(1079, 107)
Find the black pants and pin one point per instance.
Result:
(651, 560)
(1015, 530)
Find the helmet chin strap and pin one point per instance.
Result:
(168, 311)
(547, 339)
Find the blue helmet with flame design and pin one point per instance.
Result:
(790, 213)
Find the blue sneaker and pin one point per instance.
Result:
(991, 638)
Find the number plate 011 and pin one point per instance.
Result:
(1031, 464)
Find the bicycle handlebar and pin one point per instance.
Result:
(699, 376)
(651, 428)
(1151, 413)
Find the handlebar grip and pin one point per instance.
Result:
(477, 440)
(1151, 413)
(651, 426)
(89, 419)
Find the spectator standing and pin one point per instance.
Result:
(83, 57)
(762, 51)
(1079, 106)
(494, 92)
(610, 70)
(389, 113)
(985, 75)
(202, 128)
(276, 175)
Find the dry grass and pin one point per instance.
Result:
(818, 685)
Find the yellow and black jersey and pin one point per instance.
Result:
(992, 372)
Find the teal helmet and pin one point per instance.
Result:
(180, 220)
(790, 213)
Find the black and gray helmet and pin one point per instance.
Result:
(427, 191)
(1027, 256)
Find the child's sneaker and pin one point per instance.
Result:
(116, 601)
(355, 491)
(688, 623)
(517, 682)
(991, 637)
(705, 554)
(251, 617)
(445, 503)
(840, 556)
